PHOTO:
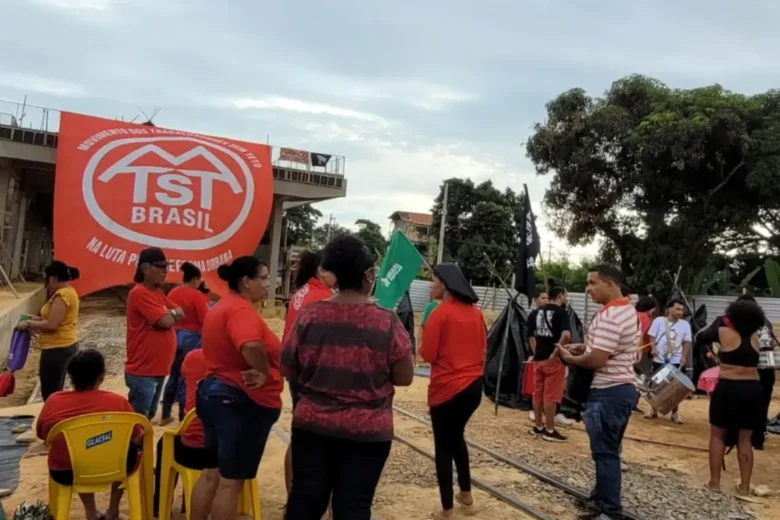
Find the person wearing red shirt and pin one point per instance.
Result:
(86, 369)
(240, 399)
(188, 449)
(151, 340)
(454, 343)
(346, 355)
(194, 303)
(314, 284)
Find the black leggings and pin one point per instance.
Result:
(449, 426)
(51, 370)
(767, 377)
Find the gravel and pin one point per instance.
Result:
(650, 492)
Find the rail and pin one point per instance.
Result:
(540, 475)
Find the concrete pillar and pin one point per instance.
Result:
(24, 204)
(276, 243)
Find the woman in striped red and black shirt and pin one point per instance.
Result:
(344, 356)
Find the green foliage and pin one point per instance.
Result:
(325, 232)
(371, 234)
(665, 177)
(573, 277)
(772, 269)
(300, 222)
(480, 219)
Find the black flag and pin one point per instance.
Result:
(319, 159)
(527, 251)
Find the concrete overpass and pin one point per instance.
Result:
(27, 166)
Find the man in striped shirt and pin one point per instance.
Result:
(610, 351)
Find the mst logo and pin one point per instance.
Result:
(171, 192)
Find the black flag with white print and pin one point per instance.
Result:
(527, 251)
(319, 159)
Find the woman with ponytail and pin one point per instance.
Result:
(56, 326)
(240, 399)
(194, 304)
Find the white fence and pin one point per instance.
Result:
(494, 299)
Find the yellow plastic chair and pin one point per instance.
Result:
(98, 444)
(249, 502)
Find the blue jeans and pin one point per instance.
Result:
(144, 393)
(174, 392)
(234, 426)
(606, 416)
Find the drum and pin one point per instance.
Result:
(667, 388)
(767, 359)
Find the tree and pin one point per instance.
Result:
(371, 234)
(665, 177)
(300, 222)
(480, 219)
(322, 234)
(573, 277)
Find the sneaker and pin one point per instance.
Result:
(652, 414)
(553, 436)
(537, 431)
(562, 420)
(532, 415)
(676, 419)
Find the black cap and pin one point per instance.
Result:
(455, 282)
(152, 255)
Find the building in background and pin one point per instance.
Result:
(416, 226)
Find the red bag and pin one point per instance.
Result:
(7, 384)
(529, 379)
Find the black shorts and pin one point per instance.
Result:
(193, 458)
(736, 404)
(64, 477)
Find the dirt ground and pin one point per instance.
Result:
(408, 486)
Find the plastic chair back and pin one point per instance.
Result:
(98, 444)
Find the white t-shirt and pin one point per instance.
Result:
(669, 349)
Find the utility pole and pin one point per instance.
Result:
(440, 252)
(330, 226)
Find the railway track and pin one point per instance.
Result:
(543, 477)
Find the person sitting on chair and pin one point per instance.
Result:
(86, 369)
(189, 448)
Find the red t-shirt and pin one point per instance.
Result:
(193, 369)
(150, 351)
(193, 303)
(68, 404)
(454, 342)
(312, 291)
(231, 323)
(644, 326)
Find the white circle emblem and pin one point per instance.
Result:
(121, 231)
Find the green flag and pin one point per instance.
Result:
(400, 266)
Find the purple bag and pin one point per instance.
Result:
(20, 347)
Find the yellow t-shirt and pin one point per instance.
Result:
(66, 334)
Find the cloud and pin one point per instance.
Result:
(77, 5)
(410, 93)
(304, 107)
(41, 85)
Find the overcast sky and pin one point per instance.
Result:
(410, 92)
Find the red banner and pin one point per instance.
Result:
(122, 187)
(293, 155)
